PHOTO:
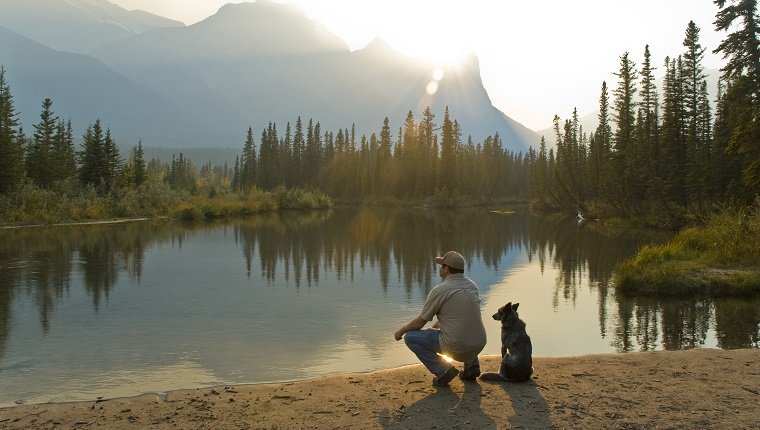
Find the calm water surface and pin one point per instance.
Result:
(124, 309)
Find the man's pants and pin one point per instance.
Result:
(424, 343)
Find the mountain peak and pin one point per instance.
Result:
(77, 25)
(274, 29)
(378, 44)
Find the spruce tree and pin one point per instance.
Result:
(601, 150)
(624, 158)
(742, 46)
(92, 157)
(39, 155)
(112, 162)
(63, 154)
(248, 163)
(138, 165)
(385, 158)
(448, 155)
(648, 135)
(742, 75)
(693, 76)
(299, 150)
(11, 140)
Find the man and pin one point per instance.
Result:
(458, 332)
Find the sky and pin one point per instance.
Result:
(537, 58)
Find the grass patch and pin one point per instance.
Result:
(68, 202)
(720, 257)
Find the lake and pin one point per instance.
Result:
(113, 310)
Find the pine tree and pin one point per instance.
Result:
(428, 156)
(385, 174)
(112, 164)
(725, 165)
(39, 160)
(693, 76)
(139, 174)
(92, 157)
(448, 154)
(63, 156)
(625, 136)
(742, 46)
(312, 154)
(648, 134)
(742, 75)
(11, 140)
(601, 170)
(248, 163)
(236, 175)
(269, 172)
(673, 135)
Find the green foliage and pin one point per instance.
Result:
(667, 157)
(11, 140)
(297, 198)
(719, 257)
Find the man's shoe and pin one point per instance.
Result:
(470, 373)
(447, 376)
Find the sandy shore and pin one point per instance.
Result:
(695, 389)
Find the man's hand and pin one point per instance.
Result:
(415, 324)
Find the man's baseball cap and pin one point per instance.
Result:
(451, 259)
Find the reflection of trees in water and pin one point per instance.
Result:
(737, 322)
(39, 261)
(685, 323)
(399, 245)
(587, 256)
(382, 240)
(10, 275)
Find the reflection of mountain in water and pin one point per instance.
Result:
(301, 250)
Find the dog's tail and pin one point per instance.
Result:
(491, 377)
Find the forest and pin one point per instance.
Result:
(658, 154)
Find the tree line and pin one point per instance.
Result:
(669, 151)
(49, 156)
(423, 160)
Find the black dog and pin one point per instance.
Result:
(516, 349)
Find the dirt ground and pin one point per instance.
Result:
(696, 389)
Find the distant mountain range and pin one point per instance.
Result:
(150, 78)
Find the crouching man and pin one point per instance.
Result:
(458, 332)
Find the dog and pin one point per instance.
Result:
(516, 348)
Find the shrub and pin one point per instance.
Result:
(719, 257)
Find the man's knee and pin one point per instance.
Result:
(412, 338)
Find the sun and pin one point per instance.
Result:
(440, 50)
(435, 31)
(430, 31)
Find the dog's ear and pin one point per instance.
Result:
(514, 307)
(507, 306)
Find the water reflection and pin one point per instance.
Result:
(686, 323)
(322, 285)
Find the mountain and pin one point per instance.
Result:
(83, 89)
(76, 25)
(252, 63)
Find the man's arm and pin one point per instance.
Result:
(414, 324)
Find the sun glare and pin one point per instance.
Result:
(446, 357)
(432, 86)
(427, 48)
(431, 30)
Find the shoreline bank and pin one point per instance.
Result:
(701, 388)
